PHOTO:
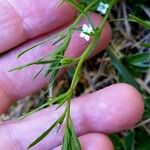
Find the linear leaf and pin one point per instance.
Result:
(138, 58)
(129, 140)
(39, 62)
(42, 136)
(143, 23)
(66, 140)
(35, 76)
(122, 70)
(147, 45)
(40, 43)
(74, 136)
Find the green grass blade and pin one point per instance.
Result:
(138, 58)
(122, 70)
(129, 140)
(147, 45)
(145, 24)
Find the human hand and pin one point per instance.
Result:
(112, 109)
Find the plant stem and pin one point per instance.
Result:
(90, 48)
(102, 24)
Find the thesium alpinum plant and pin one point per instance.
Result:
(57, 60)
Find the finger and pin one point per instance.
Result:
(21, 20)
(18, 84)
(94, 141)
(105, 111)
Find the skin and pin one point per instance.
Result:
(26, 22)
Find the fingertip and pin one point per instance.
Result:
(127, 106)
(134, 103)
(96, 141)
(112, 109)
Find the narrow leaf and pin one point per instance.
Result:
(122, 70)
(74, 136)
(129, 140)
(143, 23)
(137, 58)
(42, 136)
(147, 45)
(66, 140)
(39, 62)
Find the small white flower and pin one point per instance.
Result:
(86, 29)
(103, 7)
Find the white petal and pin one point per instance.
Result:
(82, 34)
(102, 7)
(84, 28)
(87, 37)
(87, 29)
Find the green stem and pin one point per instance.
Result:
(82, 58)
(82, 14)
(79, 66)
(90, 48)
(68, 114)
(102, 24)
